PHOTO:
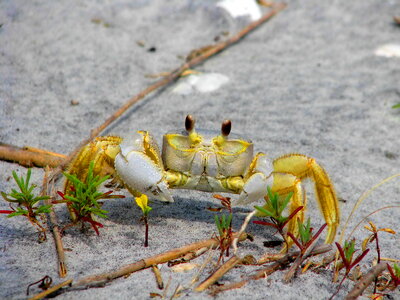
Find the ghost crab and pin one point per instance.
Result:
(207, 161)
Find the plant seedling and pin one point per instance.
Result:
(346, 254)
(396, 106)
(82, 199)
(374, 237)
(142, 202)
(395, 274)
(224, 225)
(306, 237)
(274, 208)
(27, 202)
(305, 244)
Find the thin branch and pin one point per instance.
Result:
(29, 156)
(157, 275)
(242, 229)
(96, 280)
(62, 267)
(232, 262)
(279, 264)
(365, 281)
(51, 290)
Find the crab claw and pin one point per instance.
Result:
(140, 167)
(258, 178)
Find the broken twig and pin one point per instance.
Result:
(279, 264)
(96, 280)
(51, 290)
(232, 262)
(365, 281)
(29, 156)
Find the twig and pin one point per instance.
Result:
(365, 281)
(233, 261)
(279, 264)
(29, 156)
(100, 279)
(203, 266)
(157, 274)
(242, 229)
(303, 255)
(51, 290)
(62, 267)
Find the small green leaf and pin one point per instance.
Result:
(264, 211)
(396, 105)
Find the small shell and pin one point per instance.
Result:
(184, 267)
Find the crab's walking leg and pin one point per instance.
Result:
(284, 184)
(302, 167)
(102, 151)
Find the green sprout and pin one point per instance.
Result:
(346, 254)
(274, 207)
(27, 203)
(374, 237)
(224, 226)
(82, 199)
(395, 274)
(396, 105)
(142, 201)
(306, 237)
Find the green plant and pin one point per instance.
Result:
(27, 203)
(346, 254)
(395, 275)
(82, 199)
(396, 105)
(305, 235)
(274, 207)
(374, 237)
(224, 226)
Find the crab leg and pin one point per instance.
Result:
(302, 167)
(284, 184)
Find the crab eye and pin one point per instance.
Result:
(226, 128)
(189, 123)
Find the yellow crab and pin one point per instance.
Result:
(207, 161)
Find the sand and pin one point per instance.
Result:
(309, 81)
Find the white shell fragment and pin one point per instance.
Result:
(184, 267)
(388, 50)
(203, 83)
(241, 8)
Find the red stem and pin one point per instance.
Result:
(146, 234)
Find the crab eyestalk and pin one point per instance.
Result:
(225, 131)
(226, 128)
(189, 125)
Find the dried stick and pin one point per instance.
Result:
(157, 275)
(233, 261)
(28, 156)
(279, 264)
(242, 229)
(62, 267)
(51, 290)
(100, 279)
(365, 281)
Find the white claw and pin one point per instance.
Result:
(254, 189)
(139, 171)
